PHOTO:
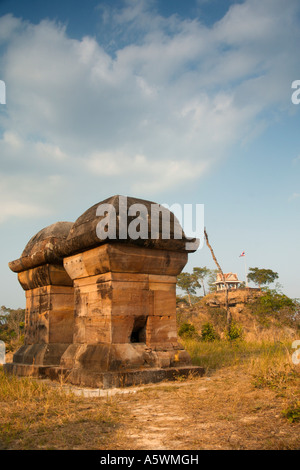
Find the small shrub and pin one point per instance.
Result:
(235, 332)
(208, 333)
(292, 413)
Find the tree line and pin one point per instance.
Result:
(12, 322)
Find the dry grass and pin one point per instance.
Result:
(249, 399)
(244, 403)
(226, 412)
(37, 416)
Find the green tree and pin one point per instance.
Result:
(262, 276)
(189, 283)
(211, 279)
(12, 320)
(277, 306)
(201, 274)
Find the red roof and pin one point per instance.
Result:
(229, 277)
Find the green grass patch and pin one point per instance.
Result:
(292, 412)
(217, 354)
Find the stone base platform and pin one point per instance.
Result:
(103, 380)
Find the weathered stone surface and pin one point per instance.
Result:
(83, 235)
(114, 306)
(45, 275)
(123, 258)
(105, 380)
(62, 239)
(125, 308)
(40, 354)
(44, 247)
(101, 312)
(49, 314)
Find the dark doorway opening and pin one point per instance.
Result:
(138, 333)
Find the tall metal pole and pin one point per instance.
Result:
(246, 272)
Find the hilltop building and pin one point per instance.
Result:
(231, 279)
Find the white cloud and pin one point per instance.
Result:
(145, 175)
(19, 209)
(294, 196)
(22, 197)
(296, 159)
(159, 112)
(8, 26)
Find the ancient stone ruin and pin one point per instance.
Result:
(102, 311)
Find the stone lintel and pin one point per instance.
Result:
(121, 258)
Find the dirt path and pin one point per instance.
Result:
(221, 412)
(153, 423)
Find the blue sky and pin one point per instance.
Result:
(183, 102)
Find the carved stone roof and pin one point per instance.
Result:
(62, 239)
(44, 247)
(83, 234)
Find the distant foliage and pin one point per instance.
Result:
(261, 277)
(212, 279)
(276, 306)
(11, 326)
(201, 274)
(188, 330)
(189, 283)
